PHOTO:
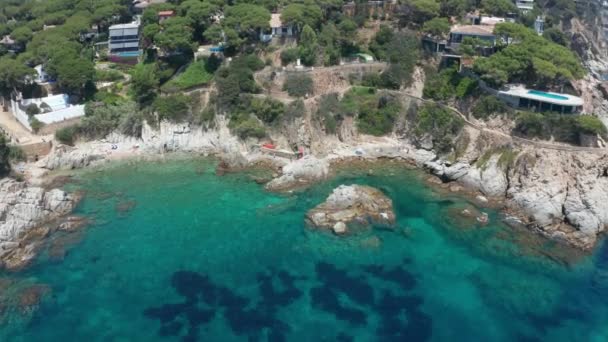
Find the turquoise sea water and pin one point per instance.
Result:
(176, 253)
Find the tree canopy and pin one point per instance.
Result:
(529, 59)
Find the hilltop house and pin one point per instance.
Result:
(123, 43)
(277, 29)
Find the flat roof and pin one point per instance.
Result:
(124, 26)
(275, 20)
(477, 30)
(543, 96)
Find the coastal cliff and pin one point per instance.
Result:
(559, 192)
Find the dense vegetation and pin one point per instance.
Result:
(101, 118)
(438, 123)
(298, 85)
(376, 112)
(448, 84)
(487, 106)
(54, 33)
(529, 59)
(565, 128)
(5, 166)
(196, 74)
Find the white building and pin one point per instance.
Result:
(41, 76)
(54, 109)
(540, 101)
(525, 5)
(277, 29)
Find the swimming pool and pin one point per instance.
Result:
(547, 95)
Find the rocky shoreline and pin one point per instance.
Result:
(28, 214)
(559, 194)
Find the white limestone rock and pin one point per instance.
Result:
(352, 204)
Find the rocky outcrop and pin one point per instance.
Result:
(352, 205)
(300, 173)
(66, 157)
(561, 194)
(23, 209)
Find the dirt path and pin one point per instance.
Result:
(15, 131)
(516, 139)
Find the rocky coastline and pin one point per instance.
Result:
(28, 214)
(560, 194)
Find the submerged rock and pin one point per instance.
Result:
(350, 205)
(230, 161)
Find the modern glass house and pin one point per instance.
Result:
(123, 44)
(541, 101)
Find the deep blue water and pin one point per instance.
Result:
(176, 253)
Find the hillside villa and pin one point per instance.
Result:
(123, 43)
(519, 97)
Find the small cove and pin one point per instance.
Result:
(175, 252)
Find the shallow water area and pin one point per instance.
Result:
(175, 252)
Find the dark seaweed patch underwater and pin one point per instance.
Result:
(197, 257)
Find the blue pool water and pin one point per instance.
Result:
(547, 95)
(176, 253)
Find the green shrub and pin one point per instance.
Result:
(67, 135)
(131, 124)
(32, 109)
(565, 128)
(295, 109)
(175, 108)
(16, 153)
(298, 85)
(108, 75)
(448, 84)
(36, 124)
(289, 55)
(358, 98)
(250, 128)
(531, 125)
(196, 74)
(251, 62)
(465, 87)
(330, 112)
(5, 165)
(588, 124)
(440, 123)
(235, 79)
(380, 120)
(267, 110)
(487, 106)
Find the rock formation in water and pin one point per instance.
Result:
(23, 211)
(561, 194)
(299, 173)
(352, 205)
